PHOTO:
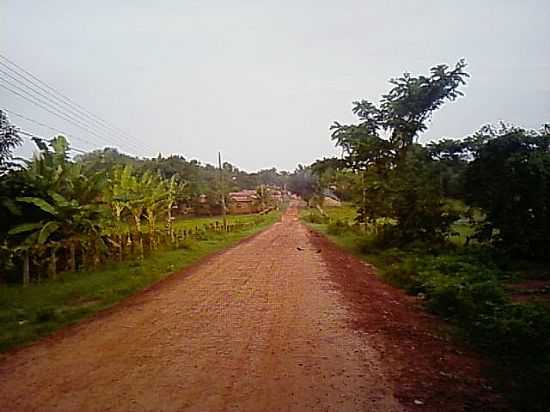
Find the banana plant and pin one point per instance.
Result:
(121, 187)
(175, 192)
(263, 196)
(66, 209)
(128, 194)
(155, 201)
(66, 222)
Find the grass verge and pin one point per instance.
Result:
(27, 314)
(467, 286)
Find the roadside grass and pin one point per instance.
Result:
(193, 222)
(27, 314)
(469, 287)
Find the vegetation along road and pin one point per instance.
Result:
(284, 321)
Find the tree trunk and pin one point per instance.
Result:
(120, 248)
(170, 226)
(95, 255)
(53, 264)
(26, 268)
(72, 250)
(152, 230)
(138, 227)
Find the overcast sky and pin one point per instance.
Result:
(263, 81)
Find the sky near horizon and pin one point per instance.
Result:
(263, 81)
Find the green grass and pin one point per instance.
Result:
(38, 310)
(193, 222)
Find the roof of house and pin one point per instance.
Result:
(243, 196)
(330, 193)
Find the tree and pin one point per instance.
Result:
(62, 208)
(340, 179)
(381, 147)
(263, 196)
(303, 183)
(9, 140)
(402, 113)
(509, 178)
(451, 160)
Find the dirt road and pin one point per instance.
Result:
(264, 326)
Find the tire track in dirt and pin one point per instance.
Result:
(260, 327)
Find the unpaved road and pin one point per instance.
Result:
(264, 326)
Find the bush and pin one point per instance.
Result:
(517, 330)
(338, 227)
(315, 218)
(455, 286)
(509, 178)
(403, 274)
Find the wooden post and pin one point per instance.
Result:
(120, 248)
(221, 189)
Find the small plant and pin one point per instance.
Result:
(315, 218)
(338, 227)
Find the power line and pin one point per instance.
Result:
(46, 97)
(68, 101)
(53, 111)
(34, 136)
(11, 112)
(90, 122)
(59, 112)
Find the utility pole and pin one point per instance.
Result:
(221, 190)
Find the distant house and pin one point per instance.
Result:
(330, 199)
(242, 202)
(204, 207)
(276, 194)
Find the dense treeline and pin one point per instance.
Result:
(502, 173)
(401, 186)
(200, 178)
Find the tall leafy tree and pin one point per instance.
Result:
(381, 146)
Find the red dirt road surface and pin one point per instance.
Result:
(284, 321)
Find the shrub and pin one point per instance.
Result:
(315, 218)
(517, 330)
(338, 227)
(509, 178)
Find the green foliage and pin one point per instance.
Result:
(199, 178)
(399, 178)
(9, 140)
(509, 178)
(467, 287)
(412, 198)
(29, 313)
(403, 112)
(451, 160)
(315, 218)
(40, 203)
(304, 183)
(64, 214)
(334, 175)
(457, 287)
(337, 227)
